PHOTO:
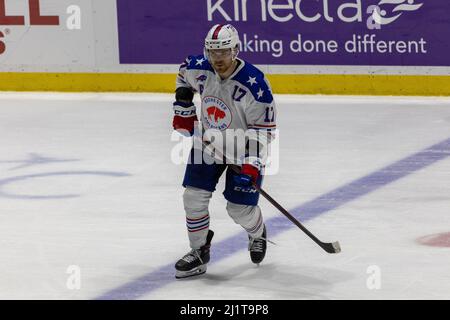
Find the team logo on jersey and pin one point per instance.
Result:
(215, 113)
(202, 78)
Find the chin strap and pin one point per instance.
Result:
(234, 53)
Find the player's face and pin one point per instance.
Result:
(221, 59)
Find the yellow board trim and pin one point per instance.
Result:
(405, 85)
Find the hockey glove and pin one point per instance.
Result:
(184, 117)
(247, 176)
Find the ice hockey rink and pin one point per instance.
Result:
(91, 201)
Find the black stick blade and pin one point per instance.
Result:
(334, 247)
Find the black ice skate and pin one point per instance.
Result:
(257, 247)
(194, 262)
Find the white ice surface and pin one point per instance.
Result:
(118, 228)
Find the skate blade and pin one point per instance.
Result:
(191, 273)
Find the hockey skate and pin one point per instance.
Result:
(194, 262)
(257, 247)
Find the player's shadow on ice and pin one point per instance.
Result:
(278, 281)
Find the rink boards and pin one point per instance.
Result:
(370, 47)
(281, 83)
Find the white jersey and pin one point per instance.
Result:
(242, 101)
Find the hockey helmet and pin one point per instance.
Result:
(222, 37)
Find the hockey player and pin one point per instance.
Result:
(235, 95)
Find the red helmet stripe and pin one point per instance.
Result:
(216, 32)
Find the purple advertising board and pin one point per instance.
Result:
(290, 32)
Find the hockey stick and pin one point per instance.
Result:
(330, 247)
